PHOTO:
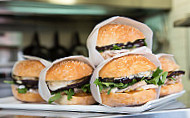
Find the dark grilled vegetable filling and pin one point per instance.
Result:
(29, 84)
(119, 46)
(126, 80)
(21, 78)
(123, 80)
(82, 84)
(84, 80)
(158, 78)
(175, 73)
(24, 84)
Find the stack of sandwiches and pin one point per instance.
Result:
(127, 76)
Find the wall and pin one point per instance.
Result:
(174, 40)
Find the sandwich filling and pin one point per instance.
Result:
(119, 46)
(114, 49)
(69, 88)
(24, 84)
(140, 81)
(174, 77)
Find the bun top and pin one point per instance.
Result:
(117, 33)
(168, 65)
(28, 68)
(68, 70)
(126, 66)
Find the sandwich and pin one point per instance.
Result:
(68, 83)
(129, 80)
(24, 82)
(173, 82)
(114, 39)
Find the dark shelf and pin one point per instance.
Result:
(183, 22)
(27, 14)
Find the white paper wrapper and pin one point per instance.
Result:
(43, 88)
(168, 56)
(95, 89)
(95, 56)
(43, 61)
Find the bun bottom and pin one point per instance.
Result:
(171, 88)
(27, 97)
(76, 100)
(129, 98)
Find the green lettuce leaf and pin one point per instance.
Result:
(98, 83)
(112, 85)
(22, 90)
(159, 77)
(69, 93)
(54, 98)
(115, 47)
(86, 88)
(157, 72)
(172, 78)
(8, 82)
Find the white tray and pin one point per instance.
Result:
(12, 103)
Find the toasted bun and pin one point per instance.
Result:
(129, 98)
(28, 68)
(168, 65)
(27, 97)
(117, 33)
(68, 70)
(171, 88)
(77, 100)
(126, 65)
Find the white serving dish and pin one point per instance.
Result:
(12, 103)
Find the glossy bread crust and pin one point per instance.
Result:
(171, 88)
(76, 100)
(129, 98)
(68, 70)
(27, 97)
(117, 33)
(28, 68)
(126, 66)
(168, 65)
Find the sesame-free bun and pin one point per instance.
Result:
(168, 65)
(27, 97)
(80, 99)
(28, 68)
(129, 98)
(126, 66)
(68, 70)
(117, 33)
(171, 88)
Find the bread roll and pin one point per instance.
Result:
(126, 66)
(68, 70)
(129, 98)
(26, 97)
(171, 88)
(28, 68)
(77, 99)
(168, 65)
(117, 33)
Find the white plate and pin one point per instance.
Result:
(12, 103)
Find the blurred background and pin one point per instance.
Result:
(53, 29)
